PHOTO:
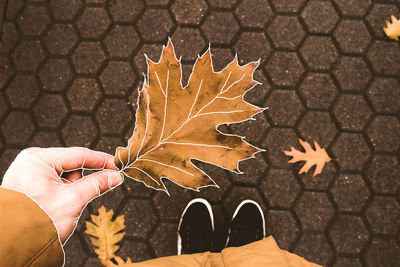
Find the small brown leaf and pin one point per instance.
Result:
(392, 29)
(317, 157)
(176, 123)
(105, 233)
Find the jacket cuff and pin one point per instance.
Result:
(29, 236)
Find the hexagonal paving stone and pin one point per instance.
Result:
(384, 133)
(256, 95)
(84, 94)
(322, 60)
(311, 124)
(117, 78)
(314, 210)
(352, 112)
(383, 215)
(284, 107)
(113, 115)
(252, 130)
(220, 176)
(353, 8)
(33, 20)
(285, 68)
(348, 234)
(164, 239)
(220, 27)
(79, 130)
(352, 150)
(286, 32)
(13, 9)
(282, 226)
(238, 194)
(121, 41)
(285, 6)
(3, 106)
(152, 51)
(125, 10)
(55, 75)
(6, 71)
(155, 25)
(345, 261)
(136, 188)
(350, 192)
(382, 252)
(45, 139)
(141, 251)
(254, 13)
(76, 255)
(22, 91)
(352, 73)
(280, 188)
(108, 144)
(252, 46)
(322, 181)
(188, 43)
(318, 90)
(320, 252)
(379, 13)
(60, 39)
(6, 159)
(50, 110)
(189, 12)
(221, 57)
(253, 171)
(65, 9)
(112, 199)
(93, 22)
(222, 3)
(138, 226)
(8, 37)
(276, 141)
(88, 57)
(384, 94)
(384, 57)
(352, 36)
(15, 132)
(171, 207)
(383, 173)
(28, 55)
(319, 16)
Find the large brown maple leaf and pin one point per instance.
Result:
(175, 124)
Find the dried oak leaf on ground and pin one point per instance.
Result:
(317, 157)
(105, 233)
(175, 124)
(392, 29)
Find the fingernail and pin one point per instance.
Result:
(114, 179)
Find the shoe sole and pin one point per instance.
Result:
(237, 211)
(196, 200)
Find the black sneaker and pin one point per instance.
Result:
(247, 225)
(196, 227)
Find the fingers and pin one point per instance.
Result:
(74, 176)
(97, 183)
(64, 159)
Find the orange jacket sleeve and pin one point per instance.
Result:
(28, 237)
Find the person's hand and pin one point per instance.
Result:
(37, 173)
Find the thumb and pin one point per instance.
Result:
(97, 183)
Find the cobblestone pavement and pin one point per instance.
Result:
(69, 73)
